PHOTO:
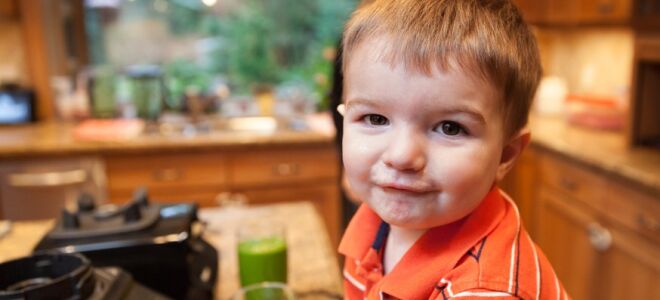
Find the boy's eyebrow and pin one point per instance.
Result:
(465, 109)
(358, 102)
(457, 109)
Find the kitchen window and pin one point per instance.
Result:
(231, 49)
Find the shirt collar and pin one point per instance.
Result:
(428, 258)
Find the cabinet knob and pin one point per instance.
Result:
(599, 236)
(286, 169)
(168, 174)
(605, 7)
(648, 222)
(568, 184)
(227, 199)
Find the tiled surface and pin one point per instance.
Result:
(603, 151)
(55, 138)
(313, 264)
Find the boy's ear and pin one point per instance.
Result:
(512, 151)
(341, 109)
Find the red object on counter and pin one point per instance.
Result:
(108, 129)
(593, 111)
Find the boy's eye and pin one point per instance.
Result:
(451, 128)
(376, 120)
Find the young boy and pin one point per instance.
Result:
(436, 99)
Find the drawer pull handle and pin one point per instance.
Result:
(234, 200)
(568, 184)
(605, 7)
(600, 237)
(47, 179)
(170, 174)
(648, 222)
(286, 169)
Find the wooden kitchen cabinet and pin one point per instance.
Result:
(534, 12)
(169, 177)
(520, 184)
(258, 175)
(8, 9)
(576, 12)
(605, 11)
(257, 168)
(601, 237)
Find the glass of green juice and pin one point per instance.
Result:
(264, 291)
(262, 253)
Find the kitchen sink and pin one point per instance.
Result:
(183, 125)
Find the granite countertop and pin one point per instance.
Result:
(56, 138)
(603, 151)
(313, 265)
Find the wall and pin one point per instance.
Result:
(13, 67)
(591, 60)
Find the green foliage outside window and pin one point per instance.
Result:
(247, 43)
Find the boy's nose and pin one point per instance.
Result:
(405, 152)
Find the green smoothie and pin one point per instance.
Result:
(262, 260)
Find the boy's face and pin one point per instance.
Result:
(421, 151)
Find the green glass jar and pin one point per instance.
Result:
(148, 91)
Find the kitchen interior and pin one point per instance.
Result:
(135, 105)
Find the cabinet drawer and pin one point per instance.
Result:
(203, 197)
(635, 210)
(272, 167)
(573, 180)
(165, 170)
(614, 201)
(605, 11)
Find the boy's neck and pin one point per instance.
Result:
(399, 241)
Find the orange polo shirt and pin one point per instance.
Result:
(487, 254)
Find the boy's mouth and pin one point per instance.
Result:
(397, 187)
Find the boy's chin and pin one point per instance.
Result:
(410, 220)
(404, 220)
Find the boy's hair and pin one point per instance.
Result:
(487, 37)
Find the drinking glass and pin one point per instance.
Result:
(262, 253)
(265, 291)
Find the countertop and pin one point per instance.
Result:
(56, 138)
(313, 266)
(603, 151)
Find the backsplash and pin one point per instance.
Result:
(592, 61)
(13, 65)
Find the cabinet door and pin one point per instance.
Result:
(605, 11)
(631, 268)
(533, 11)
(593, 258)
(290, 165)
(573, 12)
(169, 177)
(562, 234)
(520, 184)
(563, 12)
(166, 170)
(8, 9)
(203, 197)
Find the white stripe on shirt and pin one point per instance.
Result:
(354, 281)
(482, 294)
(515, 240)
(451, 293)
(538, 269)
(557, 288)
